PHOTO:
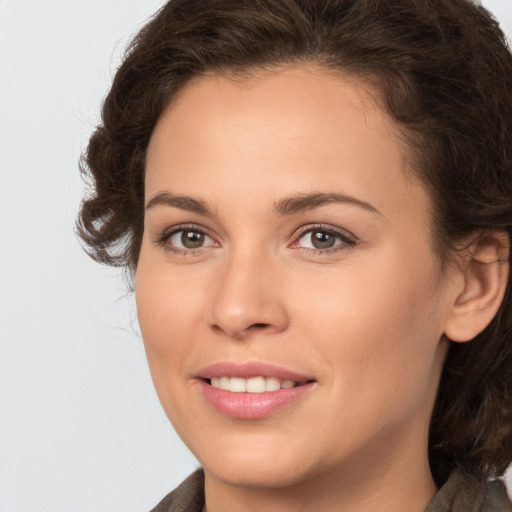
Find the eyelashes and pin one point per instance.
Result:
(316, 239)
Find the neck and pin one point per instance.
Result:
(390, 481)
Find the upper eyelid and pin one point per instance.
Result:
(323, 227)
(186, 227)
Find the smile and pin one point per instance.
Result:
(252, 385)
(252, 390)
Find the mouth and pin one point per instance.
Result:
(252, 390)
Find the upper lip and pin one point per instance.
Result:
(250, 369)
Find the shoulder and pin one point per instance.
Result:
(464, 494)
(496, 499)
(188, 497)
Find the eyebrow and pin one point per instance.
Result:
(186, 203)
(287, 206)
(305, 202)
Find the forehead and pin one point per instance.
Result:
(295, 129)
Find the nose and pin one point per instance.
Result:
(247, 298)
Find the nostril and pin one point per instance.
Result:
(242, 332)
(259, 326)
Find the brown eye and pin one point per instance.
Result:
(322, 239)
(192, 239)
(188, 239)
(325, 240)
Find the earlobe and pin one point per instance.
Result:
(484, 267)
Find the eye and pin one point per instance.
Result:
(189, 239)
(319, 240)
(323, 239)
(182, 239)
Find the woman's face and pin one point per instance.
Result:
(286, 239)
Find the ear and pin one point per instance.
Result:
(484, 267)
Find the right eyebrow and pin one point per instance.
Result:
(186, 203)
(305, 202)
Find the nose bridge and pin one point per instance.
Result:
(246, 298)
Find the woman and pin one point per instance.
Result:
(315, 200)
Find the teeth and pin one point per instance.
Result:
(255, 385)
(272, 384)
(237, 385)
(252, 385)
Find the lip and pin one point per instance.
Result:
(252, 405)
(251, 369)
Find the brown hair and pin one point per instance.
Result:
(444, 72)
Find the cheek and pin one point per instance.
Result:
(169, 309)
(376, 329)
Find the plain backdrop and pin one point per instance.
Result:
(80, 426)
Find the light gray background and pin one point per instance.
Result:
(80, 426)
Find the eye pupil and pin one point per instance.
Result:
(192, 239)
(322, 240)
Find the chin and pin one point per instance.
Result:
(267, 473)
(252, 462)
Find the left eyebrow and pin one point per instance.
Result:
(186, 203)
(305, 202)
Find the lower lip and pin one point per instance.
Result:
(252, 405)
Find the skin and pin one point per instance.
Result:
(365, 318)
